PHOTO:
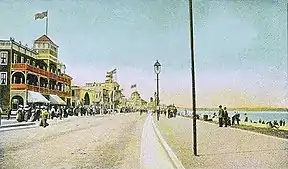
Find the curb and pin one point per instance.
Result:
(176, 162)
(17, 128)
(2, 129)
(17, 125)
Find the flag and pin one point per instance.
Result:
(113, 71)
(133, 86)
(41, 15)
(109, 75)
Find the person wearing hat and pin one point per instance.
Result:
(44, 117)
(52, 112)
(9, 110)
(220, 115)
(36, 114)
(26, 113)
(175, 111)
(19, 116)
(225, 117)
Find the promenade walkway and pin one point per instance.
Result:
(223, 147)
(153, 155)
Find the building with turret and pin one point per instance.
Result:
(135, 101)
(32, 75)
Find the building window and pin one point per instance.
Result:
(22, 59)
(3, 78)
(15, 58)
(33, 63)
(3, 58)
(28, 61)
(73, 93)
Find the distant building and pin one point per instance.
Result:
(90, 94)
(107, 94)
(135, 101)
(32, 75)
(152, 103)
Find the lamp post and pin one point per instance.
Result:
(157, 70)
(193, 78)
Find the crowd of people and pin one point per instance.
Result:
(223, 116)
(225, 120)
(43, 113)
(170, 112)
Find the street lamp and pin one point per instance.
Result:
(157, 70)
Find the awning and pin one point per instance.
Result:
(35, 97)
(54, 99)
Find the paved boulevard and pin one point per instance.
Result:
(223, 148)
(102, 142)
(128, 141)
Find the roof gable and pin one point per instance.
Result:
(45, 38)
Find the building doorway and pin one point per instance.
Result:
(16, 101)
(86, 99)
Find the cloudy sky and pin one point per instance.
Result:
(240, 46)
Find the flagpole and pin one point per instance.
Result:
(47, 23)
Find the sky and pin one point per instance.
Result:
(240, 46)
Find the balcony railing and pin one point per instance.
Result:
(18, 86)
(24, 66)
(40, 90)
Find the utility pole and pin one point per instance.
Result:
(193, 79)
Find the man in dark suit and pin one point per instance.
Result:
(220, 116)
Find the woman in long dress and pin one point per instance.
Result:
(19, 116)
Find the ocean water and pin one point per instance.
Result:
(252, 115)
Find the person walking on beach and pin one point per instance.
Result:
(237, 118)
(234, 118)
(220, 116)
(225, 116)
(246, 117)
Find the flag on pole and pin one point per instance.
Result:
(133, 86)
(41, 15)
(113, 71)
